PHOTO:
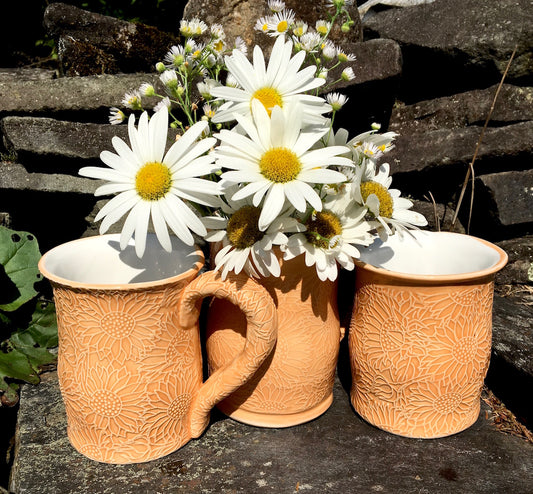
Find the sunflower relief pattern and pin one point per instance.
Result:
(130, 372)
(419, 356)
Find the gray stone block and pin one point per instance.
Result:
(513, 105)
(70, 94)
(520, 252)
(14, 177)
(510, 196)
(452, 45)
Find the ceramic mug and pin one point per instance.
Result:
(421, 331)
(130, 360)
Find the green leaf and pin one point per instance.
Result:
(43, 325)
(19, 255)
(530, 272)
(40, 335)
(15, 365)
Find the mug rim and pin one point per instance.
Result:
(459, 277)
(190, 273)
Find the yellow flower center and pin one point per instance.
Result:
(280, 165)
(282, 26)
(323, 227)
(153, 181)
(385, 199)
(242, 228)
(219, 45)
(269, 97)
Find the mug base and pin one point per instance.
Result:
(275, 420)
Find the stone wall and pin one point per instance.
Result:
(431, 73)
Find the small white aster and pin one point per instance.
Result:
(329, 50)
(348, 74)
(133, 100)
(164, 103)
(322, 27)
(153, 184)
(217, 31)
(116, 116)
(300, 28)
(194, 27)
(280, 22)
(240, 45)
(147, 89)
(276, 5)
(345, 57)
(175, 57)
(336, 100)
(262, 24)
(311, 42)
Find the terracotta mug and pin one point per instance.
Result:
(130, 362)
(295, 383)
(421, 331)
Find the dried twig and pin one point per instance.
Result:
(470, 171)
(435, 214)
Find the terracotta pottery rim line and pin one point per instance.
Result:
(435, 278)
(190, 273)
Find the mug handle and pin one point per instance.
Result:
(261, 334)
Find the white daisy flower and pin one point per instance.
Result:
(243, 245)
(389, 211)
(276, 162)
(276, 5)
(153, 184)
(278, 84)
(280, 22)
(332, 235)
(336, 100)
(116, 116)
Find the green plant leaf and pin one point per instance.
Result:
(19, 256)
(43, 325)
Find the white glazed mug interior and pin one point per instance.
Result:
(99, 262)
(426, 253)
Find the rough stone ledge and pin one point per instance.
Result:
(72, 94)
(13, 176)
(338, 452)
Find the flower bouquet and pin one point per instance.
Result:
(262, 166)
